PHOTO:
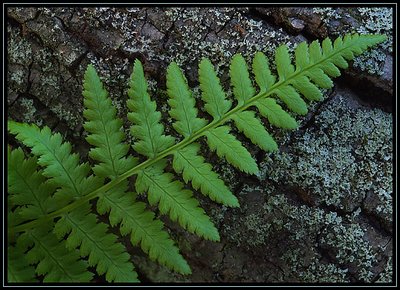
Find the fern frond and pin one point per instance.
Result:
(302, 57)
(212, 93)
(142, 226)
(313, 67)
(55, 261)
(106, 134)
(194, 169)
(307, 89)
(147, 127)
(292, 99)
(186, 160)
(29, 190)
(226, 145)
(171, 198)
(182, 103)
(175, 201)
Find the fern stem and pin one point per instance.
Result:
(214, 124)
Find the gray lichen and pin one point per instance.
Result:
(349, 246)
(387, 275)
(363, 20)
(375, 20)
(19, 50)
(315, 270)
(337, 158)
(71, 118)
(29, 112)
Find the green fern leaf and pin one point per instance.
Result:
(171, 198)
(27, 187)
(147, 129)
(105, 128)
(314, 65)
(143, 228)
(193, 167)
(226, 145)
(318, 76)
(338, 59)
(315, 52)
(292, 99)
(182, 103)
(264, 78)
(242, 87)
(63, 170)
(29, 191)
(302, 56)
(275, 114)
(102, 248)
(18, 268)
(212, 93)
(247, 123)
(55, 262)
(60, 165)
(283, 63)
(149, 233)
(329, 67)
(187, 160)
(106, 134)
(307, 89)
(175, 201)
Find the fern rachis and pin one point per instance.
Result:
(75, 186)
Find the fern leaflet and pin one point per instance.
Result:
(182, 103)
(147, 127)
(18, 268)
(193, 168)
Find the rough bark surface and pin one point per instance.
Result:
(321, 209)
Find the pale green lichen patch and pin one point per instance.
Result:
(315, 270)
(189, 36)
(29, 112)
(343, 157)
(363, 20)
(249, 227)
(346, 154)
(19, 56)
(19, 50)
(312, 228)
(387, 275)
(69, 117)
(375, 20)
(316, 245)
(18, 77)
(347, 243)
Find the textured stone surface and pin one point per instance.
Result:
(321, 208)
